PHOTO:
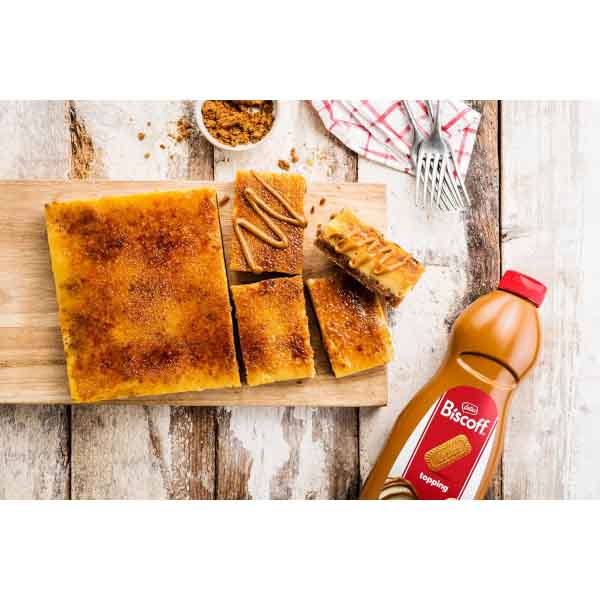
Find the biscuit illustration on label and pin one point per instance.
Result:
(448, 453)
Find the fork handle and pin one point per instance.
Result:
(437, 123)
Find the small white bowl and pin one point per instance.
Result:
(242, 147)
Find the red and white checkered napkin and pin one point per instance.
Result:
(380, 129)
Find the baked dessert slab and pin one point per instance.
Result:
(142, 294)
(273, 330)
(268, 236)
(359, 249)
(353, 326)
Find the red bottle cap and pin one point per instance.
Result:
(524, 286)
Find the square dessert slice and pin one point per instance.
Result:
(359, 249)
(273, 330)
(142, 294)
(352, 323)
(268, 223)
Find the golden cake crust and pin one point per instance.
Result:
(273, 330)
(361, 250)
(352, 323)
(142, 293)
(268, 258)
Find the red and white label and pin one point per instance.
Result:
(446, 455)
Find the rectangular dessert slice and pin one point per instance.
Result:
(352, 323)
(273, 330)
(142, 294)
(380, 265)
(268, 223)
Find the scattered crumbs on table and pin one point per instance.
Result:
(147, 155)
(148, 124)
(162, 147)
(322, 201)
(312, 210)
(294, 155)
(309, 162)
(141, 135)
(185, 128)
(171, 156)
(224, 200)
(284, 165)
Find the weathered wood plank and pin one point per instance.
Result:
(289, 452)
(550, 230)
(483, 223)
(462, 257)
(34, 440)
(133, 451)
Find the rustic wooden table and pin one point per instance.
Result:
(533, 176)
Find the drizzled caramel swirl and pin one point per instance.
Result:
(369, 246)
(264, 212)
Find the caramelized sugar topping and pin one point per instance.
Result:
(142, 294)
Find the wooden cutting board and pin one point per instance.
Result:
(32, 361)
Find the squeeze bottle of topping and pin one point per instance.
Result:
(447, 442)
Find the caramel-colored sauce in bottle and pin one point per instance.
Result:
(493, 345)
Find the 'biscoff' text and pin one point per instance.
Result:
(451, 412)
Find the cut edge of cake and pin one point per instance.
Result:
(257, 374)
(337, 358)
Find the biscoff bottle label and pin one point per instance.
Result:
(446, 454)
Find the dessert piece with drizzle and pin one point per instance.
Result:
(268, 223)
(359, 249)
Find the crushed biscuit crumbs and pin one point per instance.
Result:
(238, 122)
(185, 129)
(284, 165)
(224, 200)
(147, 155)
(141, 136)
(309, 162)
(322, 201)
(294, 155)
(162, 147)
(312, 210)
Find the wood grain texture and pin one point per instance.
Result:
(550, 230)
(289, 452)
(462, 259)
(135, 451)
(34, 440)
(482, 223)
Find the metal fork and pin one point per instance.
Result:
(440, 165)
(450, 168)
(430, 152)
(446, 197)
